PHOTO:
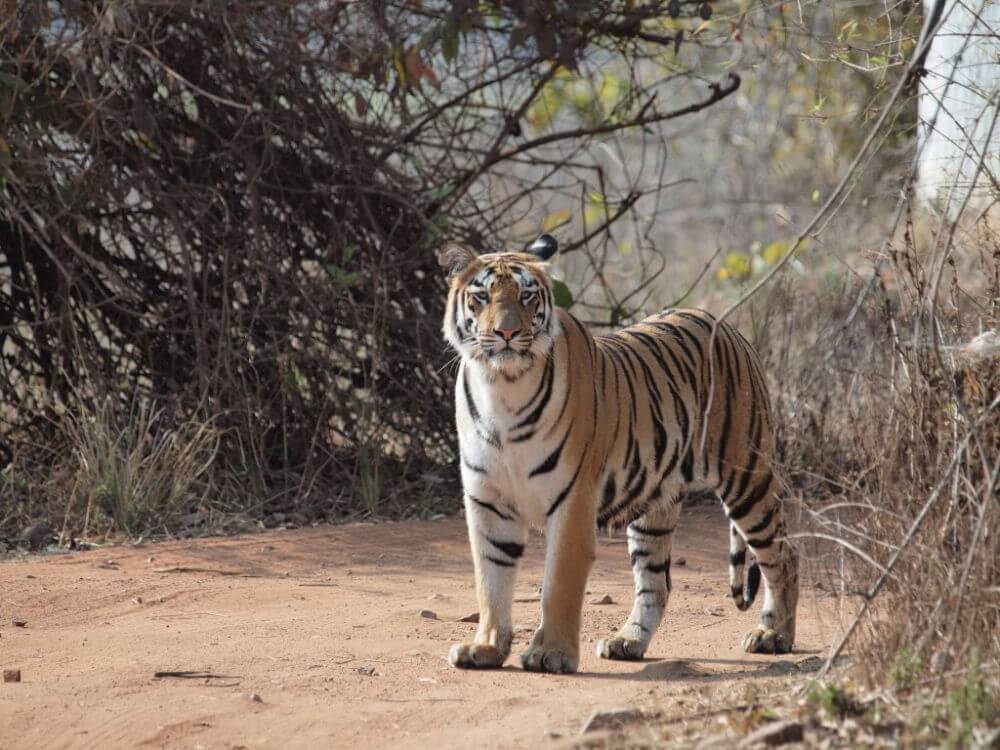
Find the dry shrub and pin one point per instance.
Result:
(891, 426)
(230, 211)
(132, 472)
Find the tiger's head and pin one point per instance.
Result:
(500, 311)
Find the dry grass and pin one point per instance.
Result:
(891, 444)
(131, 470)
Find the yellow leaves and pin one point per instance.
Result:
(545, 108)
(740, 267)
(595, 212)
(593, 98)
(773, 252)
(735, 267)
(556, 219)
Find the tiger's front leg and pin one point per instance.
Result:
(569, 555)
(497, 538)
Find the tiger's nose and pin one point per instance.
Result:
(508, 333)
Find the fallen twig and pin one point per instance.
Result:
(186, 569)
(194, 675)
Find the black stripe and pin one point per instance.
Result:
(609, 491)
(763, 524)
(695, 319)
(469, 402)
(533, 417)
(654, 568)
(635, 554)
(761, 543)
(562, 495)
(739, 511)
(513, 550)
(498, 561)
(738, 558)
(553, 460)
(547, 374)
(687, 465)
(472, 467)
(490, 507)
(649, 531)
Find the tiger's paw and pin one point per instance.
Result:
(476, 656)
(766, 641)
(620, 649)
(544, 659)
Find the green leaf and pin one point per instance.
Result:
(561, 294)
(449, 40)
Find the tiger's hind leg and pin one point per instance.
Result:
(649, 540)
(756, 516)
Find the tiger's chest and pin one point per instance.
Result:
(513, 441)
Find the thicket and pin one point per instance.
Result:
(217, 235)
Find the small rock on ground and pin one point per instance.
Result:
(774, 734)
(18, 622)
(680, 561)
(606, 599)
(254, 698)
(429, 614)
(611, 718)
(474, 617)
(12, 675)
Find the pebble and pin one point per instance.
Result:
(18, 622)
(429, 614)
(12, 675)
(474, 617)
(606, 599)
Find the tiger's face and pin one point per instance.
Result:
(500, 311)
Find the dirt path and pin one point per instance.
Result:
(300, 617)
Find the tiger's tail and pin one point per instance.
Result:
(743, 595)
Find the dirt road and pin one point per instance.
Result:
(319, 636)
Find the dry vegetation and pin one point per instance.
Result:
(219, 306)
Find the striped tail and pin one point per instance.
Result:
(743, 596)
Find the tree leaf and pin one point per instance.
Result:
(449, 40)
(360, 105)
(561, 294)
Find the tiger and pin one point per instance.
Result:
(571, 432)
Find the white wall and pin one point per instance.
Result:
(954, 135)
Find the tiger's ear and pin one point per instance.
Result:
(455, 258)
(544, 247)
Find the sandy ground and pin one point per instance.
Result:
(297, 621)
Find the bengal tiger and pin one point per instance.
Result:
(565, 430)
